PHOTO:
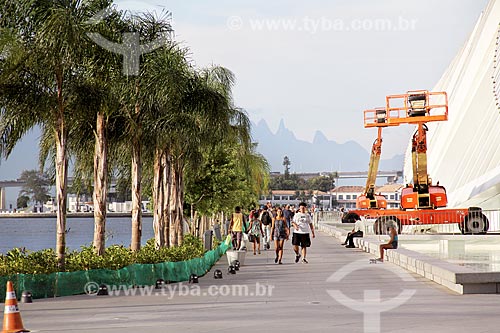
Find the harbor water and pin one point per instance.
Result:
(40, 233)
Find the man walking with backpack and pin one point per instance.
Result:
(266, 219)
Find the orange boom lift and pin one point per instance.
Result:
(421, 202)
(369, 199)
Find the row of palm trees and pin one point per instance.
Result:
(150, 128)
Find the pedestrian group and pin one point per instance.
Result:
(274, 224)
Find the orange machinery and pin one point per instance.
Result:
(369, 199)
(419, 201)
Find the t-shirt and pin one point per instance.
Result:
(237, 222)
(359, 225)
(302, 220)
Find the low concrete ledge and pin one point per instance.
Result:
(460, 279)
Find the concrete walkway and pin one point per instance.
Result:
(338, 291)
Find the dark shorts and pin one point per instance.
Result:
(254, 238)
(237, 235)
(394, 244)
(302, 240)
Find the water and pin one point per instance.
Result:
(480, 253)
(40, 233)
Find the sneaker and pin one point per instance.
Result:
(379, 260)
(304, 261)
(343, 243)
(275, 260)
(297, 257)
(280, 263)
(350, 246)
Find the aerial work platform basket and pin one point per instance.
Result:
(414, 107)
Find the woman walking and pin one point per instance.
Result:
(255, 231)
(280, 233)
(237, 227)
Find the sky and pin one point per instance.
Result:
(318, 64)
(315, 64)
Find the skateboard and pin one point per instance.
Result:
(374, 261)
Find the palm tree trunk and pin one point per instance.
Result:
(176, 203)
(166, 182)
(78, 200)
(172, 208)
(100, 184)
(201, 225)
(135, 244)
(180, 206)
(61, 177)
(158, 200)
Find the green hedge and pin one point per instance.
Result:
(73, 283)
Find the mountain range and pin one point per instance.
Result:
(320, 155)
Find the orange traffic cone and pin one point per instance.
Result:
(12, 322)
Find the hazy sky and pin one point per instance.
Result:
(318, 64)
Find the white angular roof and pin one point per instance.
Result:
(464, 152)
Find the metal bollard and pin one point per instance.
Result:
(217, 232)
(103, 290)
(207, 240)
(26, 297)
(160, 283)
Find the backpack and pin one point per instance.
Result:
(266, 218)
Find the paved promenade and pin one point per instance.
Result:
(338, 291)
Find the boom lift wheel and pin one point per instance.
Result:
(475, 223)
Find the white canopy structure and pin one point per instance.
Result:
(464, 152)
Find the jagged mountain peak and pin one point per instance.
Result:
(319, 138)
(320, 155)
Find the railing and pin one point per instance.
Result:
(428, 222)
(334, 216)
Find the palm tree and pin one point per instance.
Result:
(103, 77)
(39, 78)
(138, 94)
(208, 117)
(167, 78)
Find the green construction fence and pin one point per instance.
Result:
(73, 283)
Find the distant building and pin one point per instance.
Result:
(343, 196)
(280, 197)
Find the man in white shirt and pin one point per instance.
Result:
(302, 225)
(357, 231)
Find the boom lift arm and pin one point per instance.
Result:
(418, 109)
(419, 158)
(369, 199)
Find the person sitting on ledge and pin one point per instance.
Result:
(391, 244)
(357, 231)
